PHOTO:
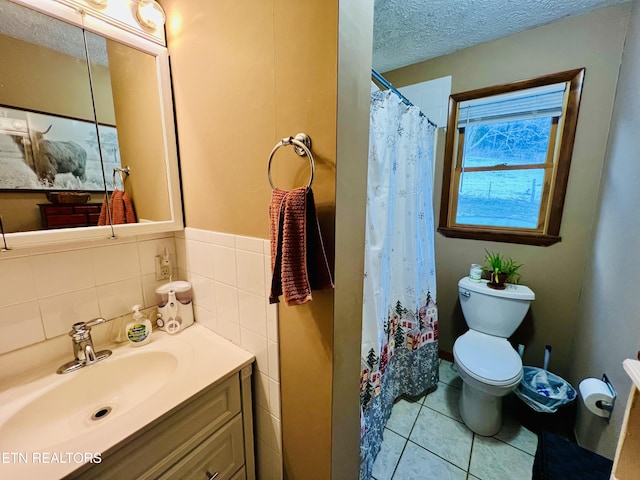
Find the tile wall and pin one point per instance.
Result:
(44, 290)
(231, 278)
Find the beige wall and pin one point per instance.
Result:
(140, 130)
(608, 325)
(49, 82)
(594, 41)
(239, 87)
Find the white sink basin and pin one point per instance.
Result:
(95, 408)
(88, 397)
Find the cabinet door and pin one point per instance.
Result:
(161, 445)
(219, 456)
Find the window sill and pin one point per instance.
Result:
(541, 240)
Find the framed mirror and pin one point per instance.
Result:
(116, 106)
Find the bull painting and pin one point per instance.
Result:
(41, 151)
(53, 157)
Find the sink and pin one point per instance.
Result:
(98, 407)
(96, 394)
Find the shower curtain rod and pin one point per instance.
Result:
(385, 83)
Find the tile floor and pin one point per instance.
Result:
(427, 440)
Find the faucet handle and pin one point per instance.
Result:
(95, 321)
(80, 330)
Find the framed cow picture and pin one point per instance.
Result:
(40, 151)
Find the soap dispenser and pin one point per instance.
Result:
(138, 331)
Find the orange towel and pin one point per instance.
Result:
(121, 209)
(298, 260)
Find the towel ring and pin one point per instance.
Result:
(302, 146)
(123, 171)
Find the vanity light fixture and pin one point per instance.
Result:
(150, 14)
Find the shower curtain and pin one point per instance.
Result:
(400, 320)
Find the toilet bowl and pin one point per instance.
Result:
(490, 369)
(489, 366)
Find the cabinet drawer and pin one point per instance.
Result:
(161, 445)
(222, 453)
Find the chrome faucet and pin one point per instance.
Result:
(83, 350)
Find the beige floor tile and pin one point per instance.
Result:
(492, 459)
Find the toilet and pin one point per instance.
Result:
(488, 364)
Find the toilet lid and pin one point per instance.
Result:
(487, 358)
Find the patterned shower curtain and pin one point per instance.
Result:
(400, 319)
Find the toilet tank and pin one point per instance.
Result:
(494, 312)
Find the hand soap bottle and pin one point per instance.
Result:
(138, 331)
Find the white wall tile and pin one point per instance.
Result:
(272, 320)
(16, 281)
(20, 325)
(267, 276)
(223, 239)
(62, 311)
(274, 360)
(269, 462)
(274, 398)
(224, 265)
(258, 345)
(205, 318)
(249, 243)
(149, 249)
(203, 292)
(117, 298)
(250, 267)
(199, 258)
(229, 330)
(197, 234)
(227, 302)
(181, 253)
(261, 390)
(253, 313)
(62, 272)
(266, 247)
(115, 263)
(266, 425)
(149, 285)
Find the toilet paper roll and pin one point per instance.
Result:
(593, 390)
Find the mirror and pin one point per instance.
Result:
(126, 85)
(126, 77)
(45, 101)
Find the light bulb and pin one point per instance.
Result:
(150, 14)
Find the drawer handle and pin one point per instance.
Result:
(211, 476)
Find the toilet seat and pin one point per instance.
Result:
(488, 359)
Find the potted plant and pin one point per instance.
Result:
(501, 269)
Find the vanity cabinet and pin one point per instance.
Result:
(627, 462)
(209, 434)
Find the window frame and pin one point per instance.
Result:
(549, 232)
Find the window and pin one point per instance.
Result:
(507, 156)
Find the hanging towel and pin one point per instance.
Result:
(121, 209)
(298, 260)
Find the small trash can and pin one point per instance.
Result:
(544, 391)
(550, 402)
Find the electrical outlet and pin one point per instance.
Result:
(163, 267)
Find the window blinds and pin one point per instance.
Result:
(545, 101)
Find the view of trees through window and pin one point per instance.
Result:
(500, 184)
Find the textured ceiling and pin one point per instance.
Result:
(410, 31)
(34, 27)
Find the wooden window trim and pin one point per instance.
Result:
(555, 188)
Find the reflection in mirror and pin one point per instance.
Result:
(127, 96)
(47, 131)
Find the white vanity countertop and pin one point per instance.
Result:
(632, 367)
(35, 442)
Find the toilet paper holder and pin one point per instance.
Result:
(604, 405)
